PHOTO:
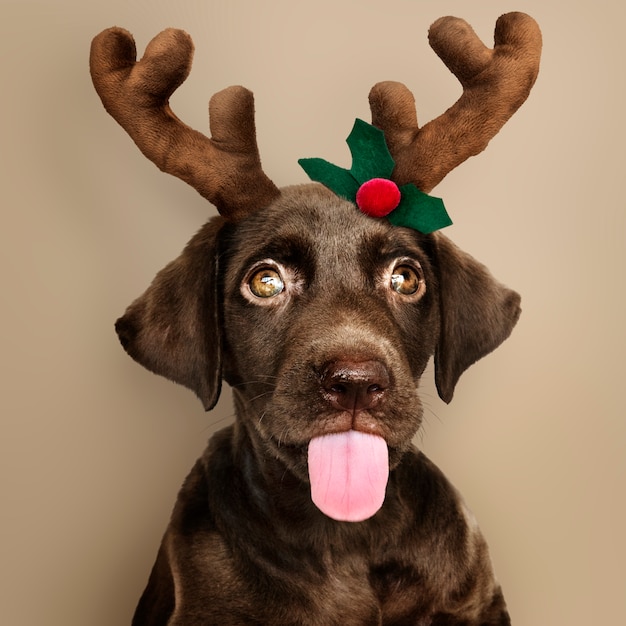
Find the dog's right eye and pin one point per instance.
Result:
(266, 283)
(407, 280)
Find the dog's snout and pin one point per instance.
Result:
(354, 386)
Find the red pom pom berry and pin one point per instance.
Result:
(378, 197)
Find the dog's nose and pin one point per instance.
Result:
(354, 386)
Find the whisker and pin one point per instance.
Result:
(261, 395)
(215, 422)
(255, 382)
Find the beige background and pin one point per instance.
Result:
(93, 448)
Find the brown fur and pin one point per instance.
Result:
(245, 544)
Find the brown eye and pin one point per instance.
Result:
(266, 283)
(405, 280)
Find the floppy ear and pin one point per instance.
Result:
(477, 314)
(173, 328)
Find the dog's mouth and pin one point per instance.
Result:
(347, 456)
(348, 472)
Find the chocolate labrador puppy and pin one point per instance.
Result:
(314, 507)
(335, 341)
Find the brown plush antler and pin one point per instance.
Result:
(225, 169)
(495, 84)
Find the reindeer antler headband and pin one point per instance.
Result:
(226, 168)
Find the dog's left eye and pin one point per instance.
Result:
(405, 280)
(266, 283)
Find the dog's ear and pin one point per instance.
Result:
(173, 328)
(477, 314)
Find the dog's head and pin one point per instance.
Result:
(321, 318)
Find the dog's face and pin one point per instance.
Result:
(320, 318)
(330, 319)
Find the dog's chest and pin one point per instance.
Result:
(382, 595)
(345, 592)
(352, 593)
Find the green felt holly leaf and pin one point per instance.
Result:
(370, 156)
(334, 177)
(419, 211)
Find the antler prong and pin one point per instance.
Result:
(495, 84)
(225, 169)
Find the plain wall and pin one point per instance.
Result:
(93, 448)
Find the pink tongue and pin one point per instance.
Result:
(348, 473)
